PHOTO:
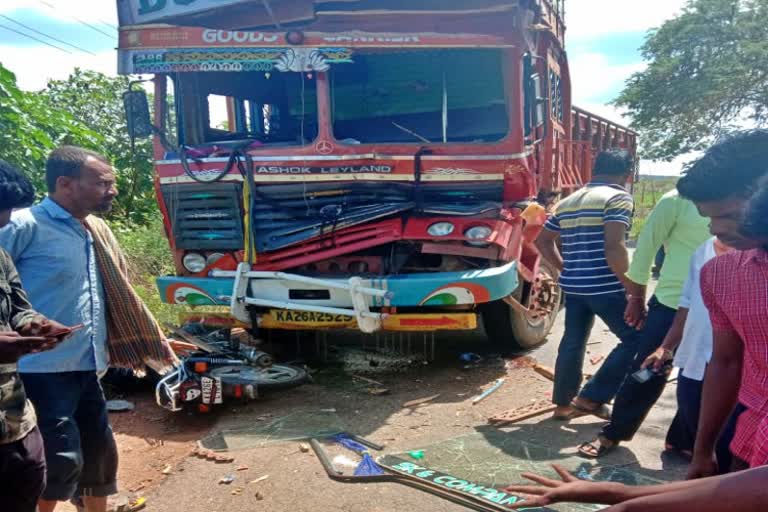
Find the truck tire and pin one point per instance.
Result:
(510, 329)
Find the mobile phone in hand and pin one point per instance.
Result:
(646, 374)
(63, 334)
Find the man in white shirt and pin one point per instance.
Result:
(689, 342)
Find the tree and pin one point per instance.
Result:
(707, 75)
(96, 100)
(30, 129)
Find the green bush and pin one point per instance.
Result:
(149, 256)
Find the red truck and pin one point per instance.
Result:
(366, 164)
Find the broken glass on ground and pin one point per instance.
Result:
(297, 426)
(495, 459)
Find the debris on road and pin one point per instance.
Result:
(304, 448)
(419, 401)
(260, 479)
(126, 505)
(258, 496)
(416, 454)
(522, 413)
(119, 406)
(545, 371)
(596, 359)
(203, 453)
(167, 470)
(378, 391)
(237, 491)
(488, 392)
(369, 381)
(470, 357)
(226, 479)
(242, 468)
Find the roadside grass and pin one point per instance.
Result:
(647, 192)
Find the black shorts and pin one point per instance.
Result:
(80, 448)
(22, 473)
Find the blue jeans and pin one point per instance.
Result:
(580, 313)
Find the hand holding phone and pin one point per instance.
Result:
(646, 374)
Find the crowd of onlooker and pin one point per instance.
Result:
(708, 316)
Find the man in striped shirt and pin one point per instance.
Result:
(592, 223)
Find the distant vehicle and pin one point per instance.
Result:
(361, 164)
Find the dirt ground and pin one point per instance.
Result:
(151, 440)
(155, 445)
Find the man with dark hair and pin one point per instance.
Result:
(734, 287)
(22, 331)
(58, 245)
(592, 224)
(675, 224)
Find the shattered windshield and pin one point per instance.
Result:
(420, 96)
(271, 107)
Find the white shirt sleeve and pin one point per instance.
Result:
(690, 283)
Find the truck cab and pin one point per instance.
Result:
(380, 166)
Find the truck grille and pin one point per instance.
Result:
(205, 216)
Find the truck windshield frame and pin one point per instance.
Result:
(418, 96)
(274, 108)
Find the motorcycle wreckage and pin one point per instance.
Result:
(220, 369)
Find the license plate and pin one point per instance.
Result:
(285, 319)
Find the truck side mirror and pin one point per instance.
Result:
(137, 114)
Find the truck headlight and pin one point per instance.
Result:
(441, 229)
(477, 236)
(194, 262)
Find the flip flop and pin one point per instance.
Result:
(595, 449)
(601, 411)
(575, 413)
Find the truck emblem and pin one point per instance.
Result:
(324, 147)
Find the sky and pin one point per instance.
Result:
(602, 40)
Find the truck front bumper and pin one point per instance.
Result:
(353, 297)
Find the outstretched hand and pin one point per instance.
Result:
(567, 489)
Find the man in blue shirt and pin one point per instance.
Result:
(592, 224)
(54, 254)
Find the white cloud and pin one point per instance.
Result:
(593, 77)
(91, 11)
(673, 168)
(586, 19)
(35, 65)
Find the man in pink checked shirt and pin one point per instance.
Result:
(734, 287)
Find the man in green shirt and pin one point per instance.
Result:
(676, 225)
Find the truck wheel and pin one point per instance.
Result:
(511, 329)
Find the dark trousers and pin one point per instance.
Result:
(726, 461)
(22, 473)
(580, 313)
(634, 400)
(682, 432)
(80, 448)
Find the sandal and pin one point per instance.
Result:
(601, 411)
(597, 448)
(572, 415)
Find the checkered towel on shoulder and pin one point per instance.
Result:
(134, 337)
